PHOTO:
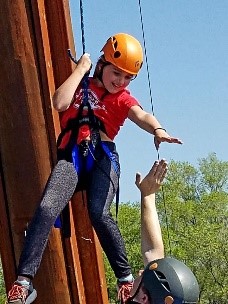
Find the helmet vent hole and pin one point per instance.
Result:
(163, 280)
(117, 54)
(115, 42)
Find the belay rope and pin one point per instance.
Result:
(85, 80)
(152, 109)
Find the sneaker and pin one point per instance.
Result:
(21, 294)
(124, 289)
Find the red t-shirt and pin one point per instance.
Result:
(111, 109)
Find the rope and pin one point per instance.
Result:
(145, 50)
(85, 80)
(82, 27)
(152, 109)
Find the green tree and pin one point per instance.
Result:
(194, 222)
(129, 224)
(2, 286)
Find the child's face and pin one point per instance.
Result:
(114, 79)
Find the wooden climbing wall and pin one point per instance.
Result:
(35, 36)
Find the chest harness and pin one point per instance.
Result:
(82, 154)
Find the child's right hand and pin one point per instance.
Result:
(84, 63)
(160, 135)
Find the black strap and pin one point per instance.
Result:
(65, 221)
(117, 201)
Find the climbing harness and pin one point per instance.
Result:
(82, 154)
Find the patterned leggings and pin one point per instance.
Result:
(102, 184)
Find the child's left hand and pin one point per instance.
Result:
(160, 135)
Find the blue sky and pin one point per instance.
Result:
(187, 51)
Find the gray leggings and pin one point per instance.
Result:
(102, 185)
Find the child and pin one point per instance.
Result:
(87, 158)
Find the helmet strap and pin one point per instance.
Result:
(131, 299)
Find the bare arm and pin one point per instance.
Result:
(63, 96)
(151, 238)
(149, 123)
(144, 120)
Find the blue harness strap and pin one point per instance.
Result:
(89, 149)
(110, 156)
(79, 163)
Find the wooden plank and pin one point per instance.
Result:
(89, 252)
(25, 148)
(6, 245)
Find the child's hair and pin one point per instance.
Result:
(101, 63)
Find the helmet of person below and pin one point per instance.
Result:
(125, 52)
(170, 281)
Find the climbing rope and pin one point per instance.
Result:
(152, 109)
(146, 58)
(85, 80)
(82, 27)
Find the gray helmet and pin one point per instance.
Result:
(170, 281)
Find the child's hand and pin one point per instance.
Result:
(160, 135)
(84, 63)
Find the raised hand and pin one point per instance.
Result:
(153, 180)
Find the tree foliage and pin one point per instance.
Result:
(2, 287)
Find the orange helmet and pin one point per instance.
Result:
(125, 52)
